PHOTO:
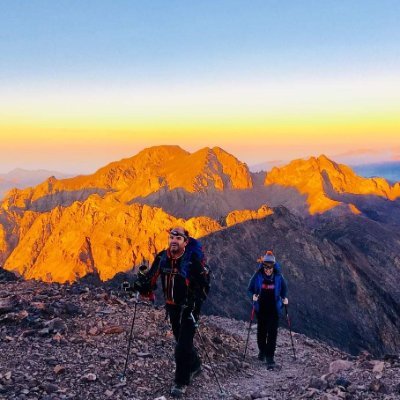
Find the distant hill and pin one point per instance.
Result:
(387, 170)
(266, 166)
(21, 178)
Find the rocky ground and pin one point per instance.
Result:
(70, 342)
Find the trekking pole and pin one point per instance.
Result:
(205, 350)
(123, 377)
(290, 330)
(248, 332)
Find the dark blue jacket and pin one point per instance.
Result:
(256, 282)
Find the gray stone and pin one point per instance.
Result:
(318, 383)
(340, 365)
(50, 387)
(57, 325)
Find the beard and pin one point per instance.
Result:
(174, 248)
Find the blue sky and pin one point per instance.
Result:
(123, 75)
(157, 40)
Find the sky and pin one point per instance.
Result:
(85, 83)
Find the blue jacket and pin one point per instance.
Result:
(256, 282)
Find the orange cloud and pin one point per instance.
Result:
(359, 152)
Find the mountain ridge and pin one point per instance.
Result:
(310, 210)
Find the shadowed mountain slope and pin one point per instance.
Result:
(342, 277)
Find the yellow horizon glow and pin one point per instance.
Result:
(293, 117)
(285, 128)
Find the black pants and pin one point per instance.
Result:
(267, 332)
(186, 358)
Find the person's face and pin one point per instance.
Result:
(176, 243)
(268, 268)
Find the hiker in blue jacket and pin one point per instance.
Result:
(268, 290)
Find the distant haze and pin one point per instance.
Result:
(21, 178)
(388, 170)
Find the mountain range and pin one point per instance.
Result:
(336, 234)
(22, 178)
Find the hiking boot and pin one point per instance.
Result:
(194, 373)
(270, 363)
(261, 356)
(178, 390)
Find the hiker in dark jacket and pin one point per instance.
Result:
(183, 282)
(268, 290)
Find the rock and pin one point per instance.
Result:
(44, 332)
(340, 365)
(342, 382)
(318, 383)
(311, 392)
(217, 340)
(365, 355)
(58, 338)
(50, 387)
(51, 361)
(256, 395)
(366, 364)
(38, 305)
(72, 309)
(352, 389)
(113, 330)
(378, 366)
(56, 325)
(58, 369)
(144, 355)
(8, 375)
(93, 331)
(7, 276)
(329, 396)
(109, 393)
(28, 332)
(378, 386)
(8, 304)
(90, 377)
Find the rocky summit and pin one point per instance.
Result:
(70, 342)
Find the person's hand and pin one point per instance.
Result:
(255, 297)
(285, 301)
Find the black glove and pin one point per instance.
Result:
(143, 285)
(127, 287)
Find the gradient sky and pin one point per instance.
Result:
(84, 83)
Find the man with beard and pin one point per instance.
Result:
(184, 282)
